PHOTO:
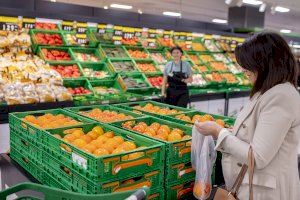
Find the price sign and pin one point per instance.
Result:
(152, 33)
(101, 28)
(151, 43)
(9, 23)
(28, 23)
(189, 37)
(182, 36)
(81, 28)
(176, 36)
(138, 32)
(118, 31)
(117, 40)
(67, 26)
(81, 38)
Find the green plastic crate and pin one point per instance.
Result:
(98, 67)
(131, 107)
(141, 61)
(106, 37)
(228, 121)
(108, 167)
(137, 48)
(79, 110)
(105, 48)
(178, 151)
(68, 64)
(35, 133)
(151, 51)
(114, 64)
(139, 79)
(180, 172)
(180, 191)
(74, 83)
(64, 49)
(91, 51)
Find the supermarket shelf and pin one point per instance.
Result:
(6, 109)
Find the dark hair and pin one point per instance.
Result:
(176, 48)
(269, 56)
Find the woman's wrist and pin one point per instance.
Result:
(217, 132)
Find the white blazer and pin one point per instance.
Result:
(271, 123)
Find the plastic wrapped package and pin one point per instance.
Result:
(61, 93)
(4, 42)
(30, 95)
(23, 39)
(45, 93)
(203, 157)
(51, 77)
(13, 93)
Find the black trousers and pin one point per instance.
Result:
(177, 97)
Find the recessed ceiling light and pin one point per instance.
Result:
(228, 2)
(220, 21)
(173, 14)
(285, 31)
(121, 6)
(253, 2)
(105, 7)
(140, 11)
(281, 9)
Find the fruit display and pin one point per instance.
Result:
(54, 39)
(206, 58)
(156, 81)
(71, 39)
(211, 46)
(50, 121)
(232, 57)
(220, 57)
(218, 66)
(166, 42)
(55, 54)
(91, 73)
(106, 116)
(194, 58)
(158, 57)
(201, 68)
(224, 45)
(215, 77)
(130, 41)
(79, 91)
(234, 68)
(15, 41)
(146, 67)
(115, 52)
(156, 130)
(198, 80)
(104, 37)
(133, 82)
(182, 45)
(230, 78)
(200, 118)
(67, 71)
(100, 143)
(105, 90)
(243, 80)
(170, 57)
(86, 57)
(138, 54)
(198, 46)
(123, 66)
(149, 107)
(46, 26)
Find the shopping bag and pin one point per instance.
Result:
(203, 157)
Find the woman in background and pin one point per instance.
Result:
(177, 75)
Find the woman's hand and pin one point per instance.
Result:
(209, 128)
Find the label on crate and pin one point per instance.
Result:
(81, 28)
(67, 26)
(118, 31)
(189, 36)
(9, 23)
(117, 40)
(151, 42)
(79, 160)
(28, 23)
(81, 38)
(176, 35)
(137, 32)
(181, 173)
(152, 33)
(182, 36)
(128, 32)
(101, 28)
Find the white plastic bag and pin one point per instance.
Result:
(203, 157)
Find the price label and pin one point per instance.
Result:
(81, 30)
(67, 28)
(28, 25)
(79, 160)
(166, 36)
(8, 26)
(81, 40)
(182, 37)
(118, 33)
(117, 42)
(128, 35)
(101, 31)
(176, 37)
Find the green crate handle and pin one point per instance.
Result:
(134, 163)
(53, 193)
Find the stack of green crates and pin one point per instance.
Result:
(56, 163)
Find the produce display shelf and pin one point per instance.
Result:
(101, 66)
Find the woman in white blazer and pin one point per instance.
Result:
(270, 122)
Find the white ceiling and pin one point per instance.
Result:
(206, 10)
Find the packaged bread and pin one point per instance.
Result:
(62, 93)
(45, 92)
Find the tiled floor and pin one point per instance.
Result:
(4, 138)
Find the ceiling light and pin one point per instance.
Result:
(253, 2)
(285, 31)
(140, 11)
(120, 6)
(281, 9)
(53, 0)
(228, 2)
(220, 21)
(239, 3)
(173, 14)
(105, 7)
(262, 7)
(296, 45)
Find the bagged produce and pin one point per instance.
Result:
(203, 157)
(61, 93)
(45, 93)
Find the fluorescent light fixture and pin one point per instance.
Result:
(173, 14)
(285, 31)
(105, 7)
(140, 11)
(53, 1)
(296, 46)
(220, 21)
(228, 2)
(262, 7)
(281, 9)
(127, 7)
(253, 2)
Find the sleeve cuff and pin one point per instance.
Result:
(222, 135)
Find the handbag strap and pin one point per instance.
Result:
(236, 186)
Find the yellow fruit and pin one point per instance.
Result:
(118, 150)
(93, 135)
(162, 131)
(143, 124)
(79, 143)
(160, 137)
(89, 148)
(174, 137)
(196, 118)
(186, 137)
(155, 126)
(30, 118)
(186, 119)
(69, 138)
(119, 139)
(98, 130)
(108, 147)
(128, 146)
(102, 138)
(177, 130)
(78, 133)
(100, 152)
(139, 128)
(165, 127)
(112, 143)
(86, 138)
(164, 136)
(57, 136)
(109, 134)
